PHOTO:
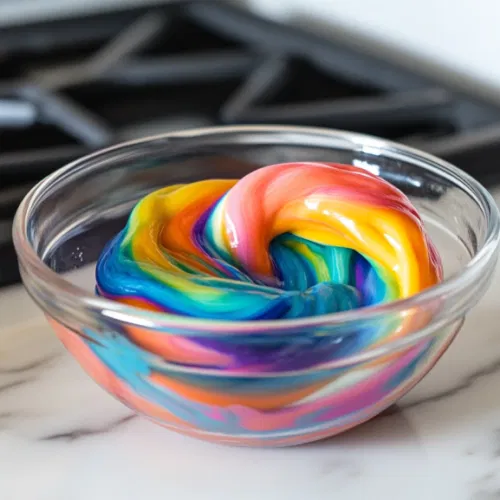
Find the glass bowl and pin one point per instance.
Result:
(261, 383)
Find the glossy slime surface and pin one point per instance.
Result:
(287, 241)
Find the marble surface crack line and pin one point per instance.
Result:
(467, 383)
(82, 433)
(29, 366)
(7, 415)
(15, 384)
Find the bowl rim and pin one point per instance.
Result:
(55, 283)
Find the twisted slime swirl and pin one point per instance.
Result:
(286, 241)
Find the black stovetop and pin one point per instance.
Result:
(72, 86)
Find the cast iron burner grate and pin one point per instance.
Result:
(76, 85)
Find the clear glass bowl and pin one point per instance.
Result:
(263, 383)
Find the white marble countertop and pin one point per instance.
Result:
(63, 438)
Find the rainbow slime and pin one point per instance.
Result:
(287, 241)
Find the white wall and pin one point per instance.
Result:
(463, 35)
